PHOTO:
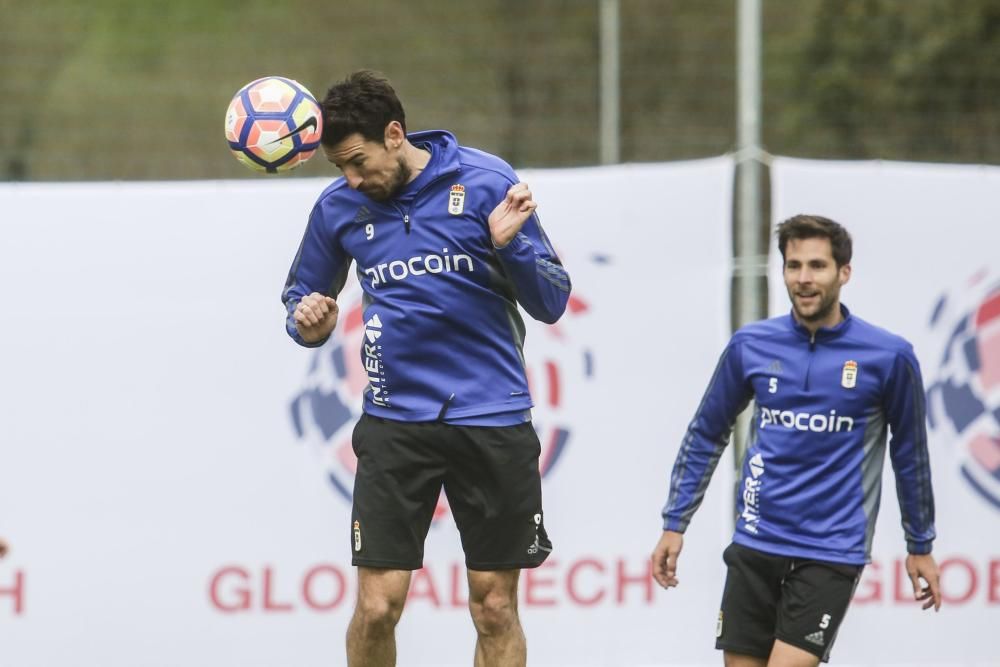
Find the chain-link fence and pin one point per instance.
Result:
(118, 89)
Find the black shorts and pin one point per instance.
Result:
(489, 475)
(767, 597)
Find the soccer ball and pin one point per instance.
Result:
(273, 124)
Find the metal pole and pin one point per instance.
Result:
(610, 82)
(751, 258)
(750, 261)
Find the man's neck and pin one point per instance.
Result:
(416, 159)
(812, 326)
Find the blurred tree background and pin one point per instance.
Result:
(123, 89)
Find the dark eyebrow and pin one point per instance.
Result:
(353, 156)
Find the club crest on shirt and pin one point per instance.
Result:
(456, 199)
(849, 376)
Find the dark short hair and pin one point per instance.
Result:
(365, 103)
(814, 226)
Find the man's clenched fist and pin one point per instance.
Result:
(316, 317)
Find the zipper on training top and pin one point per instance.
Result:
(403, 214)
(406, 214)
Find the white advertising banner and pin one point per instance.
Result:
(926, 266)
(175, 473)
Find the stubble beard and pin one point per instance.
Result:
(399, 178)
(822, 311)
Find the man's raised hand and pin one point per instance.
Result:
(510, 215)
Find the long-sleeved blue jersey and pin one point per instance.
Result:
(443, 336)
(812, 476)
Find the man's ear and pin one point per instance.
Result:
(394, 135)
(845, 274)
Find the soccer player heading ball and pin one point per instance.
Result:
(827, 388)
(447, 244)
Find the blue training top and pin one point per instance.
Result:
(443, 336)
(812, 476)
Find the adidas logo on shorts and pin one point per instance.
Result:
(816, 638)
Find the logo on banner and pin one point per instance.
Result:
(324, 412)
(963, 398)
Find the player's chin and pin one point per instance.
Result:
(371, 192)
(807, 312)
